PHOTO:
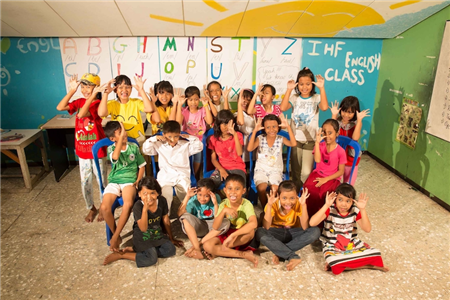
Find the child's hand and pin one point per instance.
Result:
(329, 199)
(258, 125)
(191, 192)
(291, 85)
(334, 107)
(303, 197)
(177, 243)
(178, 97)
(259, 90)
(161, 138)
(284, 122)
(363, 114)
(223, 174)
(226, 92)
(110, 86)
(136, 183)
(241, 95)
(204, 101)
(229, 212)
(123, 132)
(319, 135)
(320, 82)
(271, 198)
(74, 83)
(231, 127)
(206, 92)
(139, 83)
(152, 94)
(212, 195)
(99, 89)
(320, 181)
(230, 240)
(362, 201)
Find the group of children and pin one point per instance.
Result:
(227, 227)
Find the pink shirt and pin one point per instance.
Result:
(194, 124)
(226, 152)
(329, 163)
(261, 113)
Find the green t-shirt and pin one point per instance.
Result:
(125, 169)
(245, 211)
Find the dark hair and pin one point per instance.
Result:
(99, 94)
(163, 86)
(149, 183)
(191, 90)
(347, 190)
(350, 103)
(171, 127)
(271, 117)
(110, 128)
(223, 117)
(214, 82)
(272, 88)
(305, 72)
(333, 123)
(207, 183)
(248, 93)
(121, 79)
(287, 186)
(235, 178)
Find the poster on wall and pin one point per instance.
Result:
(85, 55)
(230, 62)
(409, 120)
(134, 56)
(182, 61)
(350, 68)
(278, 60)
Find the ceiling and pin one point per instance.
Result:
(258, 18)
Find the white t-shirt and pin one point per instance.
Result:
(305, 117)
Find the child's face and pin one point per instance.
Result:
(234, 191)
(86, 90)
(244, 103)
(329, 133)
(215, 92)
(343, 204)
(148, 196)
(117, 136)
(305, 86)
(347, 115)
(172, 138)
(267, 96)
(288, 199)
(164, 97)
(224, 128)
(123, 91)
(203, 195)
(271, 127)
(193, 101)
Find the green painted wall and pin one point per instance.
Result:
(407, 66)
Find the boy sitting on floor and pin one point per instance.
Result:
(196, 214)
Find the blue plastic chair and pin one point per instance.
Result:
(207, 171)
(191, 163)
(253, 194)
(119, 200)
(345, 142)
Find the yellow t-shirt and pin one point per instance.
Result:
(164, 114)
(292, 219)
(129, 114)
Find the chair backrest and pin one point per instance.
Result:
(207, 152)
(284, 134)
(105, 142)
(191, 163)
(344, 142)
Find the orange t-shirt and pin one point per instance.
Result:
(291, 219)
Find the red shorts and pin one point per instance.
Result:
(245, 247)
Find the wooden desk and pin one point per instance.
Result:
(61, 136)
(29, 136)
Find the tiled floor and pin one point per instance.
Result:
(49, 252)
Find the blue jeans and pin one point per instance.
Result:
(283, 242)
(150, 256)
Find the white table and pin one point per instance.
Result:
(29, 136)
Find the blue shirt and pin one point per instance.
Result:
(202, 211)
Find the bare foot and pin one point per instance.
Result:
(126, 250)
(275, 260)
(115, 244)
(197, 254)
(384, 269)
(91, 215)
(100, 216)
(293, 263)
(209, 256)
(248, 255)
(188, 252)
(327, 267)
(112, 258)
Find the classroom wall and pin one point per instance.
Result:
(408, 68)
